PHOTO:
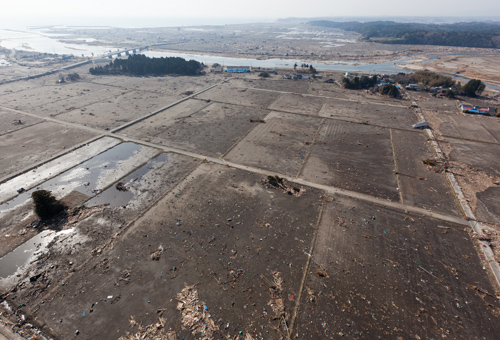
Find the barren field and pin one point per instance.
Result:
(485, 67)
(257, 209)
(470, 144)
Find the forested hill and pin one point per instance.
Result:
(140, 65)
(465, 34)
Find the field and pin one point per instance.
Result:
(174, 217)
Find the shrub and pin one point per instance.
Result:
(389, 90)
(46, 205)
(473, 88)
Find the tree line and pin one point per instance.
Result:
(465, 34)
(140, 65)
(427, 79)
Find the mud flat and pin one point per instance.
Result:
(23, 148)
(176, 220)
(280, 145)
(198, 126)
(372, 274)
(45, 171)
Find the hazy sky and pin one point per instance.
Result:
(265, 9)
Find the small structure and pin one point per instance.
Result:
(263, 69)
(412, 87)
(423, 125)
(217, 69)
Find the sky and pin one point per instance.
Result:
(201, 11)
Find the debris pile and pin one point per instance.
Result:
(195, 314)
(276, 182)
(276, 292)
(436, 166)
(150, 332)
(81, 213)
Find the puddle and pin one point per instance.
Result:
(22, 255)
(133, 182)
(87, 177)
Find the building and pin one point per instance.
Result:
(238, 69)
(467, 108)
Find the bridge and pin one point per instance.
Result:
(100, 58)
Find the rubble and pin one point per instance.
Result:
(195, 314)
(154, 331)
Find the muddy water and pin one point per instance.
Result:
(10, 263)
(133, 183)
(85, 178)
(339, 65)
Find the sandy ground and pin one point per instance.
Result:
(485, 67)
(362, 233)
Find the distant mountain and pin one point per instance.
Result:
(464, 34)
(400, 19)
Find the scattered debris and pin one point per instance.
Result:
(321, 272)
(155, 256)
(311, 297)
(81, 213)
(194, 315)
(276, 182)
(121, 187)
(431, 162)
(125, 277)
(150, 332)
